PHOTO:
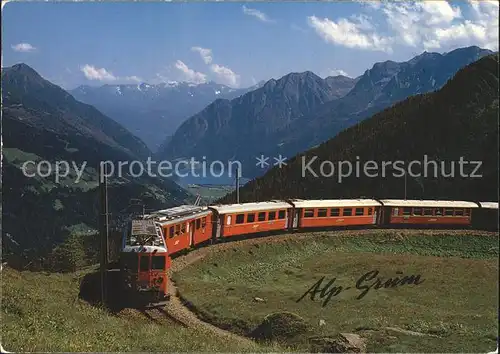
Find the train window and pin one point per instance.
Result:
(198, 223)
(448, 212)
(171, 232)
(322, 213)
(272, 215)
(466, 212)
(158, 262)
(309, 213)
(183, 228)
(439, 212)
(144, 264)
(395, 211)
(250, 217)
(281, 214)
(240, 218)
(347, 212)
(177, 229)
(128, 260)
(360, 211)
(228, 222)
(261, 216)
(370, 211)
(406, 211)
(334, 212)
(428, 211)
(203, 221)
(459, 212)
(417, 211)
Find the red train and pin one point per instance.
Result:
(187, 226)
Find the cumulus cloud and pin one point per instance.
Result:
(349, 33)
(257, 14)
(190, 75)
(206, 54)
(222, 73)
(132, 78)
(423, 25)
(226, 75)
(23, 47)
(336, 72)
(101, 74)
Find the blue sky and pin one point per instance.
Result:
(237, 44)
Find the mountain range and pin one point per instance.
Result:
(301, 110)
(457, 122)
(42, 122)
(154, 112)
(287, 116)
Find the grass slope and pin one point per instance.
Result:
(455, 307)
(42, 313)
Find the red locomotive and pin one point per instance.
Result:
(145, 261)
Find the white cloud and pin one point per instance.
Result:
(335, 72)
(427, 25)
(23, 47)
(226, 75)
(257, 14)
(132, 78)
(351, 34)
(205, 53)
(190, 75)
(101, 74)
(93, 73)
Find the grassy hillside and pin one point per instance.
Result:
(453, 309)
(458, 121)
(42, 313)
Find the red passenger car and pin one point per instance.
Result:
(247, 218)
(334, 212)
(184, 226)
(427, 212)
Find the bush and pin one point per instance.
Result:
(280, 326)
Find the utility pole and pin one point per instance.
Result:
(237, 185)
(104, 222)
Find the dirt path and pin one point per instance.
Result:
(176, 310)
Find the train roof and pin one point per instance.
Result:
(177, 213)
(244, 207)
(143, 233)
(143, 227)
(428, 203)
(326, 203)
(489, 205)
(197, 214)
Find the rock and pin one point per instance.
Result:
(258, 299)
(341, 343)
(322, 323)
(280, 326)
